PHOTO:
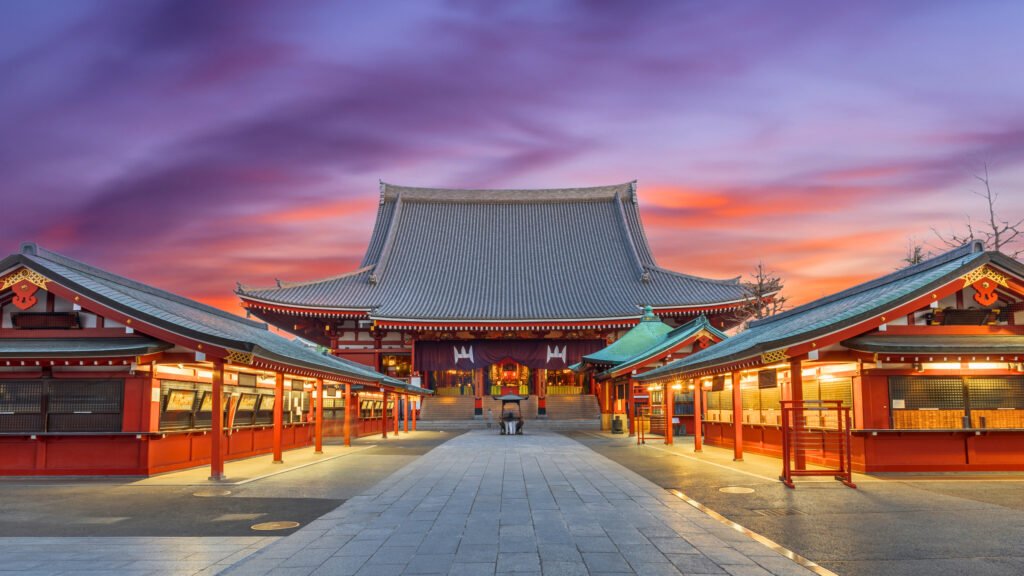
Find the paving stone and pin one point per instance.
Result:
(484, 504)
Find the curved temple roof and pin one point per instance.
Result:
(842, 309)
(185, 317)
(505, 255)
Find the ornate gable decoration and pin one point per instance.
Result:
(24, 283)
(984, 281)
(774, 356)
(239, 357)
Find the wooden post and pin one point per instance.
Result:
(669, 400)
(347, 428)
(796, 393)
(395, 410)
(318, 429)
(217, 433)
(384, 416)
(414, 410)
(631, 408)
(698, 407)
(737, 417)
(405, 412)
(278, 416)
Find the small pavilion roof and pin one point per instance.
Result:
(447, 255)
(186, 318)
(649, 339)
(840, 310)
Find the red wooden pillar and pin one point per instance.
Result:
(395, 411)
(698, 407)
(318, 429)
(737, 417)
(406, 404)
(347, 427)
(414, 410)
(669, 399)
(630, 407)
(478, 391)
(540, 385)
(217, 433)
(384, 416)
(278, 416)
(796, 393)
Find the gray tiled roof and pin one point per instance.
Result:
(560, 254)
(79, 347)
(943, 344)
(185, 317)
(839, 310)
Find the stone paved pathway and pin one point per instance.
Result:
(540, 503)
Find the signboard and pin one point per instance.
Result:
(266, 403)
(180, 400)
(718, 383)
(247, 403)
(767, 379)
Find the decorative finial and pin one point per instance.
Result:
(278, 281)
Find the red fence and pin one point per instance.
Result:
(820, 429)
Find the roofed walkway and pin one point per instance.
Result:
(541, 503)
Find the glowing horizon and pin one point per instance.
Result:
(191, 146)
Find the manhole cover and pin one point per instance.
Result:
(279, 525)
(736, 490)
(210, 492)
(779, 512)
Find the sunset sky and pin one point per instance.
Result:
(195, 144)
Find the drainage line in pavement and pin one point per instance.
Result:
(813, 567)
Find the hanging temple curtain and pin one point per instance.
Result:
(469, 354)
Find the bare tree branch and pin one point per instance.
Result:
(763, 295)
(997, 234)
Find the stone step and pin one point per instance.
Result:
(539, 424)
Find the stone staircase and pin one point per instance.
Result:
(564, 413)
(446, 408)
(576, 407)
(528, 406)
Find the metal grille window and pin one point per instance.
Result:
(751, 398)
(770, 398)
(927, 402)
(835, 388)
(926, 392)
(996, 392)
(21, 406)
(84, 406)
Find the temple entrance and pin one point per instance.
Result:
(509, 377)
(451, 382)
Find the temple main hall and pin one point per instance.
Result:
(476, 294)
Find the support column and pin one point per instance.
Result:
(737, 417)
(347, 427)
(540, 385)
(217, 432)
(478, 389)
(796, 393)
(278, 416)
(698, 408)
(669, 399)
(406, 403)
(630, 407)
(318, 428)
(395, 411)
(414, 410)
(384, 416)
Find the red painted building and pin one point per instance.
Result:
(100, 374)
(930, 359)
(477, 293)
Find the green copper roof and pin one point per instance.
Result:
(669, 341)
(649, 332)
